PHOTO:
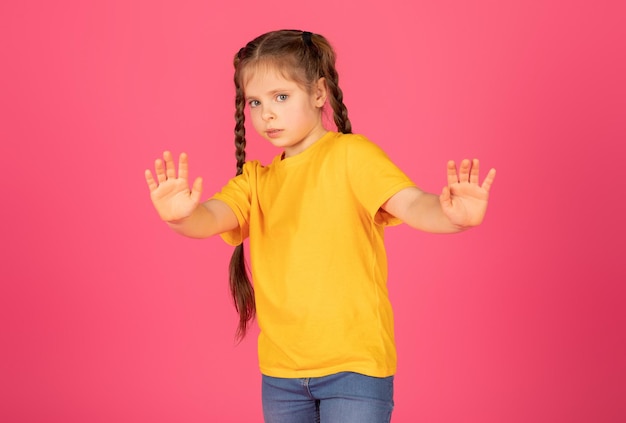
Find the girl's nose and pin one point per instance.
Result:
(268, 114)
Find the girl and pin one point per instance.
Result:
(315, 219)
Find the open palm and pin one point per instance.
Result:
(463, 200)
(170, 193)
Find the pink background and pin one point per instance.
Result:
(108, 316)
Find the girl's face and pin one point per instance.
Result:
(284, 113)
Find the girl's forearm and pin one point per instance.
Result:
(426, 213)
(208, 219)
(420, 210)
(197, 225)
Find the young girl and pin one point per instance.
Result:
(315, 219)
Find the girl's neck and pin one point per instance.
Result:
(306, 143)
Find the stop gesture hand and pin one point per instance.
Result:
(463, 200)
(170, 193)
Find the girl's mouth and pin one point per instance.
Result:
(273, 133)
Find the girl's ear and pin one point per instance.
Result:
(320, 91)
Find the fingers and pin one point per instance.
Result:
(453, 178)
(183, 166)
(170, 170)
(464, 171)
(165, 169)
(152, 185)
(473, 176)
(159, 169)
(469, 171)
(489, 180)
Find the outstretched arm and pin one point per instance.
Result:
(180, 206)
(461, 205)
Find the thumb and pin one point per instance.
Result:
(445, 199)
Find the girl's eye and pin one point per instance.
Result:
(254, 103)
(281, 97)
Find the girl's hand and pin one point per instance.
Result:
(463, 201)
(170, 194)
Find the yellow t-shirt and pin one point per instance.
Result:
(318, 259)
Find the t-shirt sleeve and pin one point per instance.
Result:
(237, 194)
(374, 178)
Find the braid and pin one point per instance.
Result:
(340, 111)
(240, 130)
(325, 58)
(241, 290)
(241, 287)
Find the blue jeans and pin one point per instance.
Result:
(340, 398)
